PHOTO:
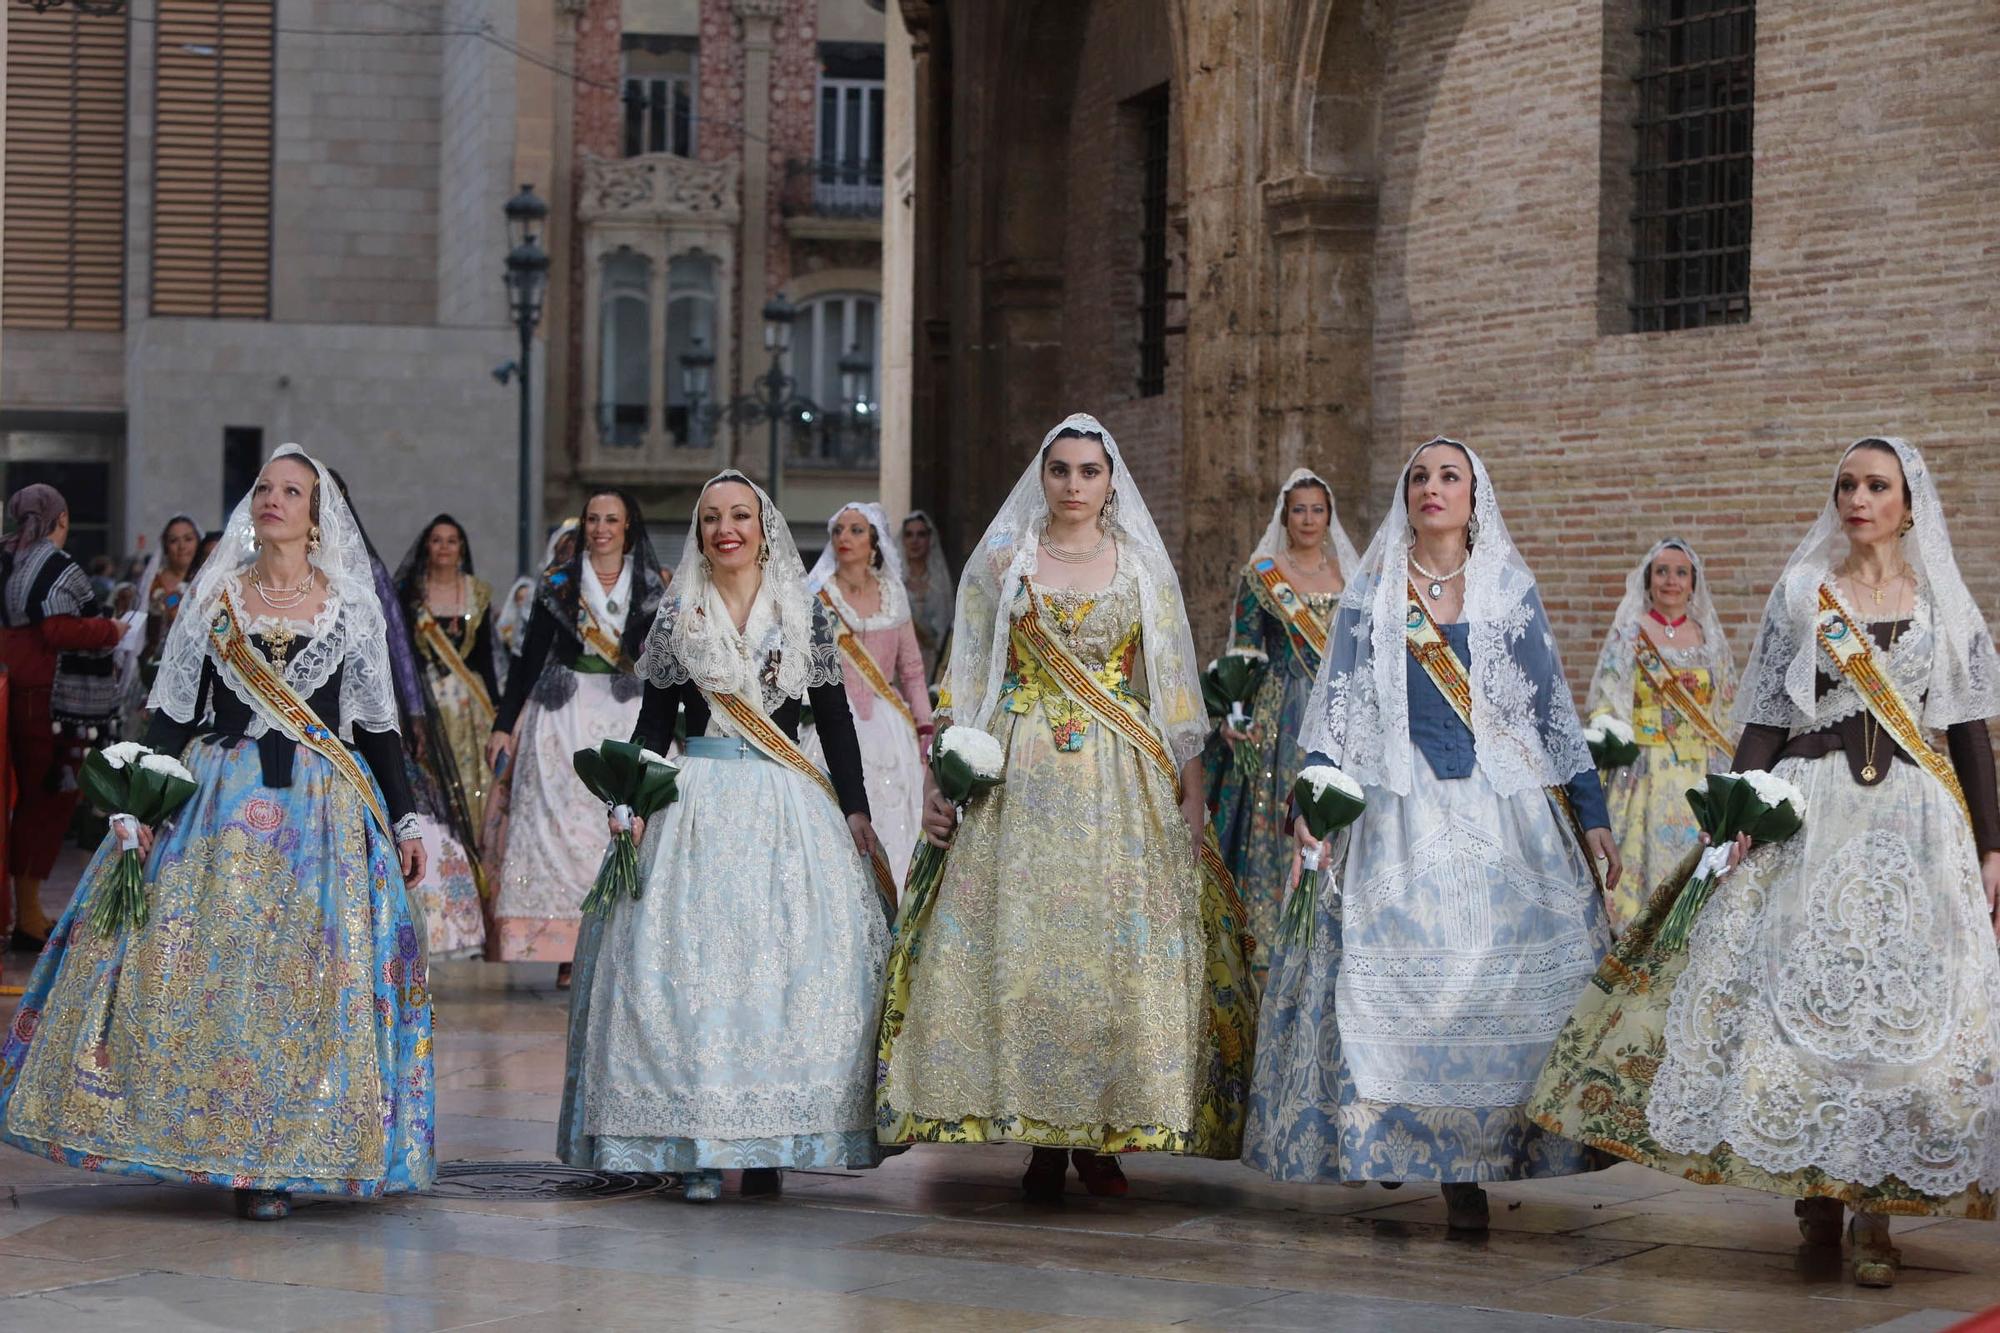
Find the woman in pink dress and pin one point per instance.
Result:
(860, 578)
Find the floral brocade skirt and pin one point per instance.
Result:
(727, 1016)
(555, 833)
(269, 1027)
(1831, 1028)
(1654, 825)
(1077, 980)
(1249, 790)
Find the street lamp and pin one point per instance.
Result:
(771, 398)
(856, 392)
(527, 275)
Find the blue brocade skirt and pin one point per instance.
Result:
(269, 1027)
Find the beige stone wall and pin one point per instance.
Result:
(899, 209)
(1873, 291)
(476, 137)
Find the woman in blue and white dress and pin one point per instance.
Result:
(1403, 1043)
(727, 1017)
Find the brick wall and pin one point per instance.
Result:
(355, 180)
(1873, 285)
(1125, 53)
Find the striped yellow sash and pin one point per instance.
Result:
(597, 641)
(1666, 683)
(1433, 653)
(1301, 622)
(295, 716)
(864, 662)
(1854, 658)
(1080, 685)
(432, 636)
(772, 742)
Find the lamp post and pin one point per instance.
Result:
(527, 275)
(771, 398)
(856, 391)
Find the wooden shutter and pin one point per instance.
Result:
(64, 264)
(212, 159)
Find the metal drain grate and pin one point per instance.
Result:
(543, 1180)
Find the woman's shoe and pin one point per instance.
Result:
(263, 1205)
(1876, 1261)
(759, 1180)
(1466, 1208)
(1819, 1222)
(701, 1186)
(1043, 1182)
(562, 976)
(1100, 1174)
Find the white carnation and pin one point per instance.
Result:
(1321, 776)
(981, 753)
(1774, 791)
(1253, 654)
(123, 753)
(1593, 735)
(1608, 724)
(165, 763)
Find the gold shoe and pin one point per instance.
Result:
(1876, 1261)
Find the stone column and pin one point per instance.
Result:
(757, 17)
(898, 325)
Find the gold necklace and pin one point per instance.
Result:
(1877, 588)
(1069, 557)
(1870, 728)
(278, 641)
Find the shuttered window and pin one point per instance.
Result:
(212, 159)
(65, 250)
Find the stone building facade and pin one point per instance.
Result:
(1391, 219)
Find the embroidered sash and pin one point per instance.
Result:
(295, 716)
(864, 662)
(1080, 685)
(1433, 653)
(432, 636)
(1666, 683)
(1302, 624)
(598, 641)
(1854, 657)
(772, 742)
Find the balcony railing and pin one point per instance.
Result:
(844, 189)
(834, 442)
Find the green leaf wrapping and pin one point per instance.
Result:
(1776, 825)
(102, 785)
(1326, 812)
(589, 766)
(1611, 753)
(617, 773)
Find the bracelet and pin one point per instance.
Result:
(409, 828)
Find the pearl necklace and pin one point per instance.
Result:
(279, 598)
(1069, 557)
(1437, 581)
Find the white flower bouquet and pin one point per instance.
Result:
(1329, 801)
(135, 786)
(635, 783)
(965, 761)
(1612, 743)
(1230, 682)
(1761, 804)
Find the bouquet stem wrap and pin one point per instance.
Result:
(1329, 801)
(136, 786)
(1767, 808)
(635, 784)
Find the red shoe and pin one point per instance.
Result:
(1043, 1182)
(1101, 1174)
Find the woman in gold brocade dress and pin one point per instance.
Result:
(450, 615)
(1076, 982)
(1666, 638)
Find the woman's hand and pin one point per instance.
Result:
(1235, 737)
(499, 743)
(637, 828)
(863, 833)
(940, 817)
(1604, 847)
(1741, 848)
(1989, 876)
(411, 854)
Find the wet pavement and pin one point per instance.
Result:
(936, 1239)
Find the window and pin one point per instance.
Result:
(830, 328)
(847, 176)
(691, 280)
(625, 357)
(212, 159)
(1154, 118)
(1691, 224)
(660, 84)
(242, 457)
(65, 182)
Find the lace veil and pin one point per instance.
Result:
(1336, 545)
(352, 634)
(1616, 677)
(895, 597)
(982, 621)
(785, 647)
(1778, 686)
(1524, 724)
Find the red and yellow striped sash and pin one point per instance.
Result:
(1301, 622)
(1666, 683)
(864, 662)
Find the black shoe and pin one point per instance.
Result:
(760, 1180)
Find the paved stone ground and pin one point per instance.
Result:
(938, 1239)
